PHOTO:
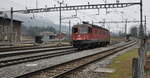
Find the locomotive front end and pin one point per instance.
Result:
(80, 35)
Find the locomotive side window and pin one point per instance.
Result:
(99, 32)
(104, 32)
(95, 31)
(75, 30)
(90, 30)
(84, 30)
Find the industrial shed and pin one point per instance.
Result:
(5, 30)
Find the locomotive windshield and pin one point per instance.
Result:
(82, 30)
(75, 30)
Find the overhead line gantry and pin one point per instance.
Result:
(78, 7)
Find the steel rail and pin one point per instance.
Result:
(36, 50)
(26, 52)
(6, 49)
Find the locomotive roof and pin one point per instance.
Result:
(90, 25)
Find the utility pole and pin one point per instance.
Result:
(145, 26)
(117, 1)
(36, 4)
(126, 29)
(34, 15)
(105, 1)
(141, 63)
(60, 3)
(11, 26)
(141, 33)
(104, 23)
(69, 30)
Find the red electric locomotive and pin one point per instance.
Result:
(88, 35)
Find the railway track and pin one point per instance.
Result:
(6, 49)
(17, 57)
(31, 51)
(60, 70)
(48, 53)
(10, 49)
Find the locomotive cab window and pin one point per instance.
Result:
(75, 30)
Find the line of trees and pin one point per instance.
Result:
(134, 32)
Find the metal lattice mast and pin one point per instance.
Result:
(142, 45)
(60, 22)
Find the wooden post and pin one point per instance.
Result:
(136, 71)
(134, 67)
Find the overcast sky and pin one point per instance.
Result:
(130, 13)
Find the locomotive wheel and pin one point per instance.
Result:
(105, 44)
(91, 46)
(101, 44)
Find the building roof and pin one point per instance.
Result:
(14, 20)
(47, 32)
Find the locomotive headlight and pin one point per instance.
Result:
(79, 37)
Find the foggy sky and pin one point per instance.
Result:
(130, 13)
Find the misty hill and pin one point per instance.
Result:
(37, 22)
(40, 22)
